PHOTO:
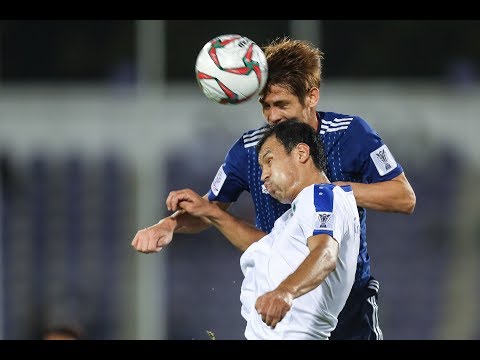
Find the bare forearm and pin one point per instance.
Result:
(237, 231)
(311, 272)
(187, 224)
(395, 195)
(184, 201)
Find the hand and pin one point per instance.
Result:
(155, 237)
(272, 306)
(189, 201)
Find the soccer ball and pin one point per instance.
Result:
(230, 69)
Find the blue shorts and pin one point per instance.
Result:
(359, 318)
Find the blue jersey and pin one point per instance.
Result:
(354, 151)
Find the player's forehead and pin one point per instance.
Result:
(270, 146)
(276, 93)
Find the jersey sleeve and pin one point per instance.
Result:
(364, 152)
(230, 180)
(317, 214)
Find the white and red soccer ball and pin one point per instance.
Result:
(231, 69)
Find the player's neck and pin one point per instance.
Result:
(319, 178)
(310, 177)
(313, 120)
(323, 178)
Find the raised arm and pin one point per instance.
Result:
(155, 237)
(394, 195)
(238, 232)
(185, 223)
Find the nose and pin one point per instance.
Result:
(274, 121)
(264, 175)
(273, 117)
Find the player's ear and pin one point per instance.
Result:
(313, 97)
(303, 152)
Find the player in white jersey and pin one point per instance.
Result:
(299, 276)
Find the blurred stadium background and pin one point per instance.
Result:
(99, 120)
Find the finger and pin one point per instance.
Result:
(152, 243)
(176, 200)
(185, 205)
(139, 237)
(171, 200)
(168, 202)
(263, 317)
(258, 305)
(178, 212)
(135, 240)
(144, 244)
(268, 319)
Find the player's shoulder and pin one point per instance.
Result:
(251, 137)
(311, 194)
(334, 122)
(315, 198)
(331, 115)
(259, 130)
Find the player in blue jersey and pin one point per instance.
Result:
(356, 156)
(297, 277)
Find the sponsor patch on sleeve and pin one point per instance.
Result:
(323, 221)
(218, 181)
(383, 160)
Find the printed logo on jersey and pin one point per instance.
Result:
(218, 181)
(323, 221)
(383, 160)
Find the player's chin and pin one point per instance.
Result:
(277, 196)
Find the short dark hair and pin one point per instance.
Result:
(292, 132)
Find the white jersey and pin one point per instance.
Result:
(318, 209)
